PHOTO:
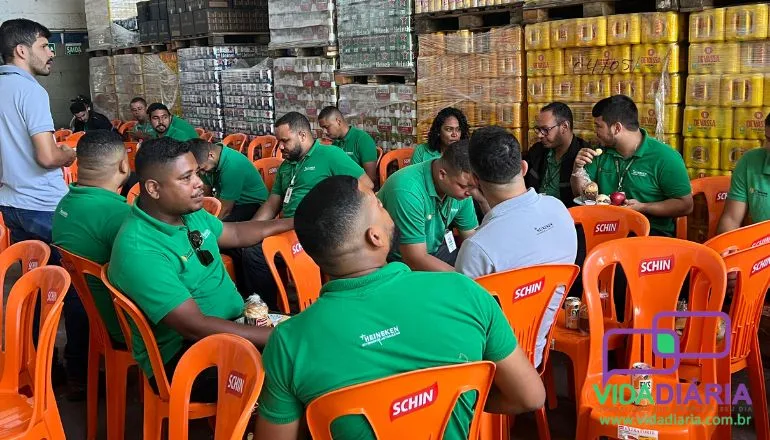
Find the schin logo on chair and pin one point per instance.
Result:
(529, 289)
(609, 227)
(296, 248)
(721, 196)
(414, 402)
(760, 265)
(235, 382)
(762, 241)
(656, 265)
(51, 296)
(33, 264)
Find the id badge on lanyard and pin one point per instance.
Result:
(449, 239)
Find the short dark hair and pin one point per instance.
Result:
(155, 106)
(434, 135)
(618, 108)
(561, 112)
(19, 31)
(200, 148)
(329, 112)
(98, 145)
(456, 157)
(138, 99)
(327, 215)
(495, 155)
(77, 107)
(160, 151)
(296, 122)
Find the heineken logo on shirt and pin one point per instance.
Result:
(378, 337)
(311, 168)
(637, 173)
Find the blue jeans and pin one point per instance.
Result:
(25, 224)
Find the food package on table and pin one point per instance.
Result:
(256, 312)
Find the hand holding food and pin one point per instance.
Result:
(585, 156)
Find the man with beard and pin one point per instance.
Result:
(650, 173)
(388, 310)
(166, 125)
(87, 119)
(307, 162)
(166, 259)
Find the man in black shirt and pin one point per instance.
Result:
(552, 157)
(87, 119)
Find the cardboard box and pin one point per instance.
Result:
(175, 25)
(188, 24)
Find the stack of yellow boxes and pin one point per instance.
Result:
(728, 90)
(422, 6)
(581, 61)
(480, 73)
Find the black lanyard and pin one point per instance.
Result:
(621, 177)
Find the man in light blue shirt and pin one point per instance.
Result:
(523, 228)
(31, 180)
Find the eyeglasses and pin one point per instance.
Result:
(196, 240)
(544, 131)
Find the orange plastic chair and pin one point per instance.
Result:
(240, 374)
(380, 152)
(442, 386)
(61, 134)
(739, 239)
(266, 145)
(116, 123)
(402, 156)
(302, 269)
(200, 131)
(655, 268)
(715, 190)
(127, 126)
(208, 137)
(156, 406)
(268, 168)
(116, 361)
(235, 141)
(133, 193)
(131, 149)
(213, 206)
(525, 315)
(72, 140)
(70, 173)
(36, 417)
(5, 237)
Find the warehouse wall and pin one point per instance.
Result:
(68, 78)
(54, 14)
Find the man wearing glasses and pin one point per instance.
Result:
(552, 157)
(166, 259)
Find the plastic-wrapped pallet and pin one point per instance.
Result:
(305, 85)
(161, 79)
(102, 72)
(128, 82)
(375, 36)
(111, 23)
(248, 99)
(423, 6)
(387, 112)
(301, 23)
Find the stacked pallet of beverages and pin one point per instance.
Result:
(728, 90)
(296, 24)
(200, 80)
(111, 23)
(206, 17)
(387, 112)
(423, 6)
(129, 82)
(581, 61)
(103, 96)
(160, 75)
(248, 99)
(305, 85)
(480, 73)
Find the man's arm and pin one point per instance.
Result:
(188, 321)
(517, 386)
(246, 234)
(672, 208)
(467, 234)
(266, 430)
(416, 256)
(732, 217)
(270, 209)
(227, 208)
(371, 171)
(48, 154)
(580, 177)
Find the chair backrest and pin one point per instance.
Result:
(5, 236)
(127, 126)
(116, 123)
(72, 140)
(266, 145)
(200, 131)
(402, 156)
(741, 238)
(133, 193)
(268, 168)
(52, 282)
(604, 223)
(418, 402)
(715, 190)
(302, 269)
(61, 134)
(131, 149)
(208, 137)
(70, 173)
(236, 141)
(212, 205)
(240, 377)
(380, 152)
(126, 310)
(655, 268)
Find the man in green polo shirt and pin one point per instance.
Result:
(353, 141)
(143, 129)
(234, 179)
(427, 201)
(89, 216)
(166, 259)
(166, 125)
(749, 188)
(650, 173)
(395, 321)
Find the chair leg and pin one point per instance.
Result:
(543, 430)
(53, 424)
(153, 422)
(117, 372)
(550, 385)
(758, 392)
(92, 392)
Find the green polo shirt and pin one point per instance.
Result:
(367, 328)
(750, 183)
(237, 179)
(552, 178)
(656, 172)
(155, 265)
(409, 195)
(181, 130)
(320, 162)
(359, 146)
(423, 154)
(78, 230)
(145, 128)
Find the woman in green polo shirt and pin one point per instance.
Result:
(450, 126)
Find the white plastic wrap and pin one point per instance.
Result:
(305, 85)
(103, 97)
(301, 23)
(387, 112)
(247, 96)
(111, 23)
(129, 82)
(161, 79)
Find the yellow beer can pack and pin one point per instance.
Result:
(624, 29)
(648, 118)
(540, 89)
(506, 39)
(595, 87)
(755, 56)
(587, 135)
(580, 61)
(566, 88)
(733, 149)
(545, 62)
(707, 26)
(742, 90)
(715, 58)
(661, 27)
(532, 111)
(582, 117)
(563, 33)
(532, 138)
(749, 123)
(674, 140)
(767, 91)
(629, 85)
(537, 36)
(656, 58)
(509, 63)
(509, 115)
(708, 122)
(671, 93)
(703, 153)
(612, 60)
(591, 32)
(749, 22)
(704, 90)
